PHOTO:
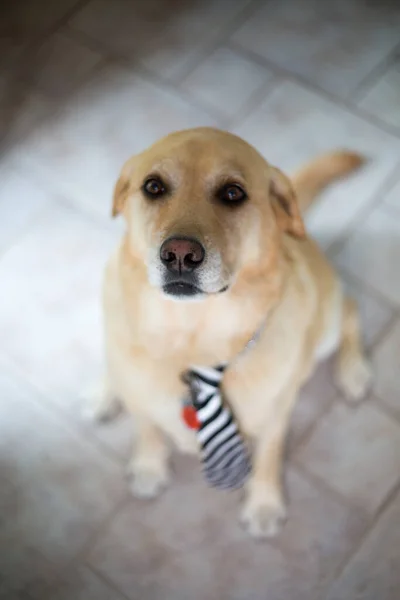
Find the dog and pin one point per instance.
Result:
(215, 252)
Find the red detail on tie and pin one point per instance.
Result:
(189, 415)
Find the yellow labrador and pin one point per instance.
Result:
(215, 250)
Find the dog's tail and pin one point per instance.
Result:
(315, 176)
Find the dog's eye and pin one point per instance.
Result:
(232, 194)
(154, 187)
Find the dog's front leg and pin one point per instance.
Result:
(264, 509)
(262, 388)
(149, 463)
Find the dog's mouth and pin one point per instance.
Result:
(182, 289)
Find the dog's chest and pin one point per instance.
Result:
(196, 334)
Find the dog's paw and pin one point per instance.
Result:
(147, 482)
(263, 517)
(99, 405)
(101, 412)
(355, 377)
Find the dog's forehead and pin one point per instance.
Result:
(206, 156)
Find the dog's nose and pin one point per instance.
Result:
(182, 255)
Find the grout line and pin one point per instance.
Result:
(173, 84)
(78, 560)
(108, 582)
(57, 196)
(54, 105)
(79, 4)
(63, 416)
(55, 199)
(314, 478)
(256, 99)
(113, 59)
(219, 38)
(383, 334)
(102, 527)
(42, 36)
(380, 122)
(305, 437)
(390, 412)
(321, 484)
(370, 351)
(347, 277)
(376, 74)
(391, 211)
(368, 287)
(85, 210)
(314, 88)
(363, 537)
(169, 86)
(91, 43)
(376, 201)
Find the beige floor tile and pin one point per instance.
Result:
(82, 150)
(314, 399)
(321, 389)
(64, 487)
(21, 110)
(50, 297)
(23, 21)
(163, 38)
(356, 451)
(189, 30)
(386, 362)
(34, 15)
(83, 584)
(21, 200)
(374, 571)
(393, 197)
(372, 253)
(151, 550)
(50, 314)
(375, 314)
(12, 54)
(319, 533)
(189, 543)
(294, 125)
(243, 570)
(60, 64)
(225, 81)
(383, 99)
(117, 434)
(328, 44)
(24, 573)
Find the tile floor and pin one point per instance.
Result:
(85, 83)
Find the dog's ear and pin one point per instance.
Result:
(284, 204)
(120, 195)
(122, 188)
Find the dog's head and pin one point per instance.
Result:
(201, 205)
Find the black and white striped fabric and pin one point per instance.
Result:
(224, 454)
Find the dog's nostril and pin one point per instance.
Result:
(190, 259)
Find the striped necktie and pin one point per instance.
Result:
(224, 454)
